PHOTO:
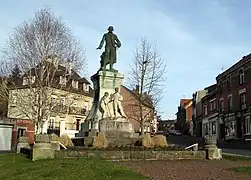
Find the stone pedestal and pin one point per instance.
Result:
(118, 131)
(212, 151)
(103, 81)
(119, 124)
(23, 142)
(42, 148)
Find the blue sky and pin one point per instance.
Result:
(197, 37)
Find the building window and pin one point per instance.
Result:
(243, 100)
(206, 129)
(62, 101)
(230, 128)
(14, 99)
(21, 131)
(247, 125)
(62, 81)
(229, 82)
(85, 87)
(214, 127)
(28, 80)
(230, 102)
(241, 76)
(75, 84)
(221, 105)
(212, 105)
(52, 123)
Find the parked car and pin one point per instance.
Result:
(177, 133)
(165, 133)
(174, 132)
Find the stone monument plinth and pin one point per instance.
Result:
(23, 142)
(212, 151)
(42, 147)
(107, 115)
(103, 81)
(119, 124)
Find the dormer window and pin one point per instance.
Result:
(75, 84)
(86, 87)
(241, 76)
(62, 81)
(28, 80)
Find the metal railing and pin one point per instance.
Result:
(59, 109)
(77, 110)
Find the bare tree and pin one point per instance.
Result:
(148, 75)
(37, 48)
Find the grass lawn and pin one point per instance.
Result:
(236, 158)
(244, 170)
(19, 167)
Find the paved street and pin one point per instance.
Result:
(188, 140)
(242, 152)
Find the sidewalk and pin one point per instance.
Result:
(238, 152)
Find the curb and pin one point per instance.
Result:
(236, 155)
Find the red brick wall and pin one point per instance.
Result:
(189, 116)
(29, 130)
(131, 108)
(235, 86)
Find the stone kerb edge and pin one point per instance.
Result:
(133, 155)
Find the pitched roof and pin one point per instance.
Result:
(184, 102)
(146, 101)
(61, 70)
(244, 60)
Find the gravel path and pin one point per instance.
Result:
(188, 169)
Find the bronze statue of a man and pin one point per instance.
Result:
(111, 44)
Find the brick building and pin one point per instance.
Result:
(234, 99)
(130, 104)
(210, 123)
(184, 115)
(198, 112)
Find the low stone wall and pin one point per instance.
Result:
(132, 155)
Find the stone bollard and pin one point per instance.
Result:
(212, 151)
(42, 148)
(23, 142)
